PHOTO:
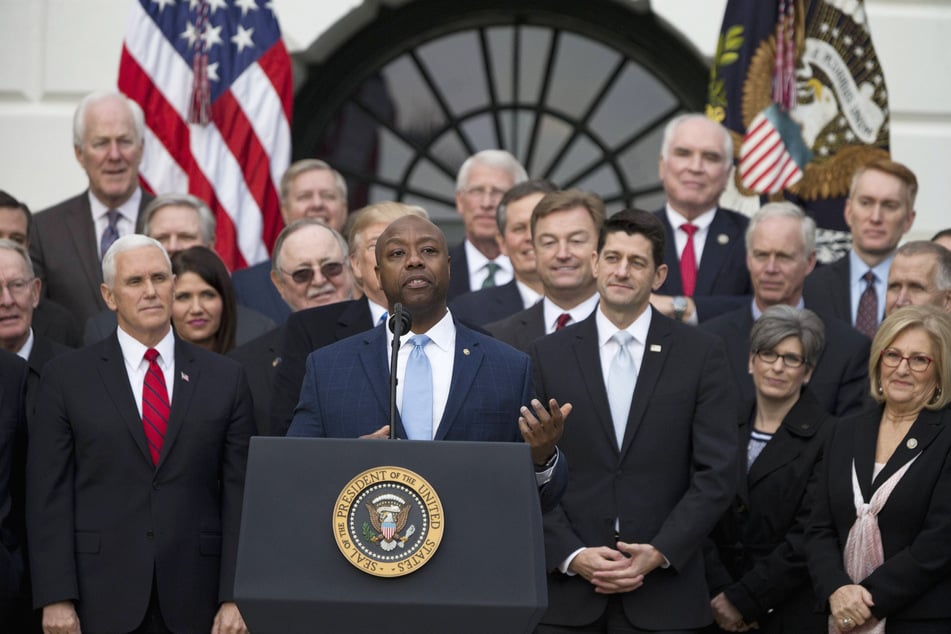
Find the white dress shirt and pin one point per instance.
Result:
(136, 367)
(477, 271)
(701, 222)
(579, 313)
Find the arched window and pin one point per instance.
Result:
(578, 91)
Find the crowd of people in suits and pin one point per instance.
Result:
(726, 435)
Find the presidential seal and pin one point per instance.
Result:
(388, 521)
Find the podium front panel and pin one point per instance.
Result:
(486, 576)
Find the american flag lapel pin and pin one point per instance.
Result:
(184, 377)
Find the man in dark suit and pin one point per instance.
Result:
(514, 217)
(179, 222)
(310, 188)
(19, 296)
(565, 227)
(70, 238)
(314, 328)
(14, 594)
(706, 267)
(476, 389)
(880, 209)
(49, 318)
(781, 251)
(304, 246)
(652, 447)
(135, 471)
(477, 262)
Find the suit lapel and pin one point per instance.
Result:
(118, 389)
(588, 354)
(467, 359)
(743, 434)
(714, 251)
(355, 318)
(533, 324)
(186, 380)
(656, 350)
(78, 224)
(923, 431)
(787, 442)
(373, 358)
(673, 285)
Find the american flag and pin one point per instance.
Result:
(214, 80)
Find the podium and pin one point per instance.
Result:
(486, 575)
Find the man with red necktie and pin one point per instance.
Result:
(704, 249)
(135, 469)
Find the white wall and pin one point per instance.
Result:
(54, 51)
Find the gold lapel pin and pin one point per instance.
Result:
(723, 238)
(912, 443)
(655, 347)
(466, 352)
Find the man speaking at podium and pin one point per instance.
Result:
(453, 383)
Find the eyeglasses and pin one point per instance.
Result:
(306, 275)
(16, 287)
(789, 360)
(494, 193)
(916, 362)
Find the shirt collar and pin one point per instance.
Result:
(638, 328)
(133, 351)
(701, 222)
(578, 313)
(443, 333)
(129, 209)
(376, 311)
(27, 347)
(477, 260)
(858, 268)
(757, 313)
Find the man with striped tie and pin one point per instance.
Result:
(135, 469)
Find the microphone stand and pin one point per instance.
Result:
(399, 324)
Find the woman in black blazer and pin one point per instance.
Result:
(895, 462)
(756, 565)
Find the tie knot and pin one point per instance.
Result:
(420, 341)
(623, 337)
(492, 267)
(113, 216)
(151, 355)
(563, 319)
(869, 277)
(689, 229)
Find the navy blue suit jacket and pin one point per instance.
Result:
(458, 271)
(346, 394)
(253, 288)
(487, 305)
(723, 281)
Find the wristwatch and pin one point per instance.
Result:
(680, 306)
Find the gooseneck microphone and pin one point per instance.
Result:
(399, 323)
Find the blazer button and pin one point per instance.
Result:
(149, 534)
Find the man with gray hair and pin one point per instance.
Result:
(920, 274)
(704, 250)
(19, 296)
(69, 239)
(477, 262)
(780, 253)
(310, 188)
(135, 469)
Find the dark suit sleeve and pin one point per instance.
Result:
(307, 417)
(12, 458)
(50, 498)
(233, 469)
(290, 375)
(713, 468)
(909, 573)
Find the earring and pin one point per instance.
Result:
(880, 390)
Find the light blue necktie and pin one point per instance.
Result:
(622, 378)
(382, 319)
(417, 411)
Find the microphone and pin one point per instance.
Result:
(399, 323)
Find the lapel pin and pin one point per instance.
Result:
(276, 362)
(466, 352)
(655, 347)
(723, 238)
(912, 443)
(184, 377)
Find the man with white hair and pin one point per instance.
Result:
(477, 262)
(919, 274)
(69, 239)
(704, 250)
